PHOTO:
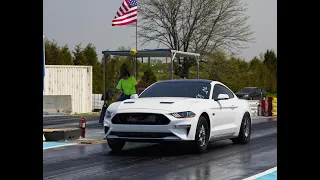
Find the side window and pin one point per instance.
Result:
(216, 91)
(227, 91)
(219, 89)
(259, 90)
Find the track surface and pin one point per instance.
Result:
(223, 160)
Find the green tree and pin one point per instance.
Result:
(125, 67)
(148, 76)
(78, 56)
(55, 55)
(52, 52)
(113, 71)
(218, 66)
(91, 58)
(65, 56)
(259, 74)
(270, 60)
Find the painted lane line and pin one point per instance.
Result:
(50, 145)
(261, 174)
(270, 176)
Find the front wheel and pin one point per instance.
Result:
(245, 131)
(116, 145)
(202, 135)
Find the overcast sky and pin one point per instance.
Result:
(89, 21)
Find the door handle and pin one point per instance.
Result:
(233, 106)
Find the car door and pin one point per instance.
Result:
(222, 112)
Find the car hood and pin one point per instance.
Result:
(158, 103)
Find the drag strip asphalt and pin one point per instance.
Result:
(223, 160)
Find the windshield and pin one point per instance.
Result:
(178, 89)
(247, 90)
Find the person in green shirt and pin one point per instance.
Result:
(127, 86)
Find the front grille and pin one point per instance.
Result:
(141, 134)
(140, 119)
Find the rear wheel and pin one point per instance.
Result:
(245, 131)
(116, 145)
(202, 135)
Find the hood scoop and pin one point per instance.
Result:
(166, 102)
(129, 102)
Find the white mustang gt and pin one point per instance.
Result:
(198, 111)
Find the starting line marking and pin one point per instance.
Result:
(50, 145)
(264, 175)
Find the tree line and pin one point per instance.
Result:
(234, 72)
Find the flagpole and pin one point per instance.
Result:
(136, 62)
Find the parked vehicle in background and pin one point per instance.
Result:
(251, 93)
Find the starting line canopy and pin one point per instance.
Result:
(152, 53)
(157, 53)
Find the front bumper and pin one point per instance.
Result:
(177, 130)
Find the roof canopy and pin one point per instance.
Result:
(152, 53)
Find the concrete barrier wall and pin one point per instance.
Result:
(96, 102)
(53, 104)
(254, 107)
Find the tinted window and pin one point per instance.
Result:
(247, 90)
(219, 89)
(258, 90)
(178, 89)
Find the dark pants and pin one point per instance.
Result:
(124, 97)
(103, 112)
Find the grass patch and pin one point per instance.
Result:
(272, 94)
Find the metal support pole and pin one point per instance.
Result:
(136, 60)
(197, 59)
(148, 61)
(172, 59)
(171, 67)
(135, 67)
(166, 62)
(104, 80)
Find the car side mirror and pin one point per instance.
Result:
(222, 97)
(134, 96)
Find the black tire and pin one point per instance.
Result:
(245, 131)
(116, 145)
(199, 145)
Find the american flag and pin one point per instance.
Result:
(126, 14)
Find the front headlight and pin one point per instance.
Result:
(185, 114)
(108, 114)
(246, 96)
